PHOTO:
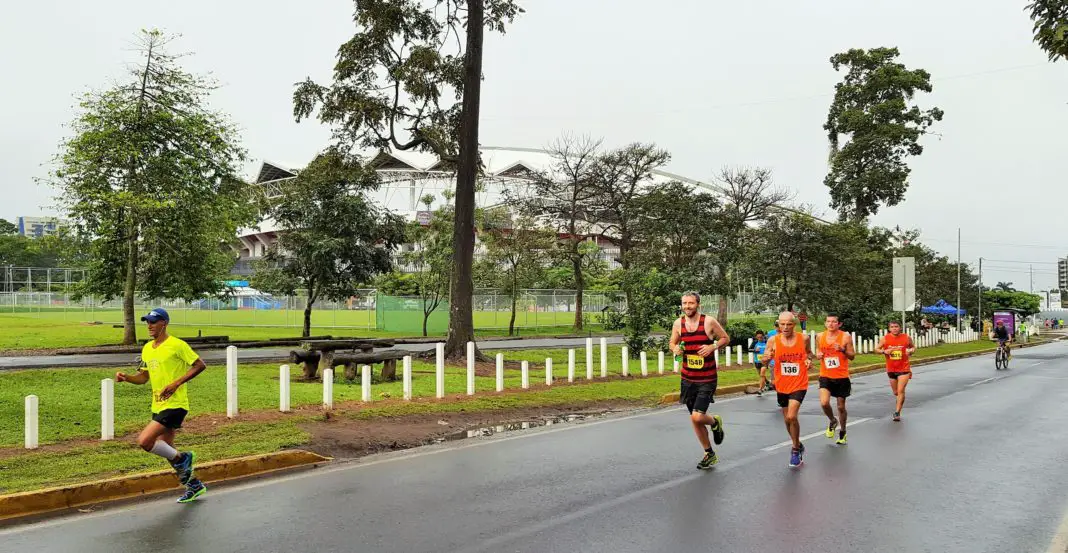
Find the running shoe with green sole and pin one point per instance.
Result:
(717, 430)
(708, 460)
(830, 429)
(841, 439)
(193, 492)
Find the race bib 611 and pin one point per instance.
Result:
(896, 355)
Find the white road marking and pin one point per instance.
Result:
(984, 381)
(850, 424)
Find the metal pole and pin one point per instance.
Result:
(980, 314)
(904, 294)
(958, 279)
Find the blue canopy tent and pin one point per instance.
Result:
(941, 307)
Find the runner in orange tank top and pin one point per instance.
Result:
(791, 354)
(834, 350)
(897, 347)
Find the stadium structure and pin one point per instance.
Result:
(407, 177)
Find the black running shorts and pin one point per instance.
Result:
(839, 387)
(697, 396)
(170, 418)
(894, 375)
(798, 396)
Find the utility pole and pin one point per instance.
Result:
(1032, 267)
(958, 279)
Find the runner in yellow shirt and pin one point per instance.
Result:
(168, 363)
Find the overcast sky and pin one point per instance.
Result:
(715, 83)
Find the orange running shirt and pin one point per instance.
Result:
(791, 365)
(834, 363)
(897, 360)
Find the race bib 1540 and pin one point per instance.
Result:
(695, 362)
(791, 369)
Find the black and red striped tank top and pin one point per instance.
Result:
(694, 367)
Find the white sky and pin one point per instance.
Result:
(713, 82)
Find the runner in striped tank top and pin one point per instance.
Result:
(694, 339)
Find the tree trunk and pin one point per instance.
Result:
(576, 263)
(307, 320)
(461, 322)
(129, 333)
(721, 315)
(511, 323)
(426, 317)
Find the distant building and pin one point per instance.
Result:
(36, 227)
(1062, 273)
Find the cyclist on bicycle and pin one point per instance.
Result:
(1001, 334)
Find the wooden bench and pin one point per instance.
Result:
(324, 352)
(352, 361)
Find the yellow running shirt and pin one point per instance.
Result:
(166, 364)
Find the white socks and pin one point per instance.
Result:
(163, 449)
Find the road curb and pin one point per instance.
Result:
(78, 495)
(673, 397)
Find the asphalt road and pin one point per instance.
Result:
(977, 465)
(264, 355)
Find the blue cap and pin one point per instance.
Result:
(157, 314)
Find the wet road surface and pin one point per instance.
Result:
(977, 465)
(263, 355)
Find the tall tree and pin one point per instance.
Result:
(391, 88)
(152, 176)
(622, 178)
(517, 250)
(563, 196)
(666, 238)
(336, 238)
(750, 196)
(872, 108)
(1051, 25)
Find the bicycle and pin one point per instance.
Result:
(1001, 357)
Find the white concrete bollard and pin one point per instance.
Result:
(328, 388)
(107, 409)
(31, 422)
(439, 374)
(604, 357)
(500, 372)
(365, 382)
(716, 354)
(728, 356)
(470, 368)
(570, 365)
(526, 375)
(231, 381)
(626, 361)
(406, 377)
(751, 358)
(283, 388)
(749, 345)
(659, 362)
(589, 358)
(739, 346)
(853, 336)
(548, 371)
(812, 342)
(645, 363)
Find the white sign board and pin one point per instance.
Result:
(904, 283)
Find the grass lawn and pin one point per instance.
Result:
(26, 331)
